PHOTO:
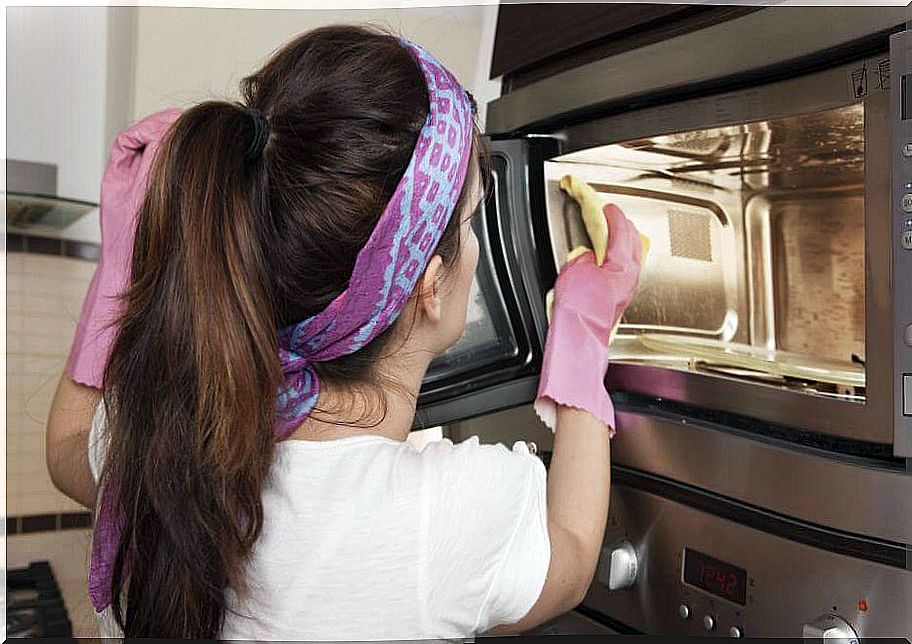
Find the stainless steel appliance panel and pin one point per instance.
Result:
(692, 284)
(816, 294)
(761, 40)
(864, 497)
(788, 585)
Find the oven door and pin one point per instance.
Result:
(495, 364)
(767, 291)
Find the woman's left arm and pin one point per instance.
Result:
(67, 440)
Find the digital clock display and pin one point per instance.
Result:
(715, 577)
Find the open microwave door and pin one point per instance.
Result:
(495, 365)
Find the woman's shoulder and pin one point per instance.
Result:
(473, 448)
(475, 464)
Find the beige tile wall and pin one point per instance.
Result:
(44, 298)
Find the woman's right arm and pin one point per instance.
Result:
(578, 489)
(572, 400)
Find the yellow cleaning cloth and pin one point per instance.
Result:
(596, 228)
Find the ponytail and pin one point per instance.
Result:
(191, 384)
(222, 259)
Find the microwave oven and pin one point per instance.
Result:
(780, 214)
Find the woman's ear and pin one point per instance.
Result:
(429, 301)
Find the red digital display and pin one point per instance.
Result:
(717, 577)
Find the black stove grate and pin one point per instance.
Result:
(34, 605)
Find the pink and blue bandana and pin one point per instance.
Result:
(389, 265)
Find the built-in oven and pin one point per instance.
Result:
(763, 373)
(757, 575)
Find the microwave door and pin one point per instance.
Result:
(495, 364)
(901, 217)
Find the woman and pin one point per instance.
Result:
(298, 261)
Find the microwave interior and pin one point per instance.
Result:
(756, 269)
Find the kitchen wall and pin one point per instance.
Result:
(186, 55)
(68, 92)
(67, 69)
(78, 75)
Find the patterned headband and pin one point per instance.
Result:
(386, 271)
(389, 265)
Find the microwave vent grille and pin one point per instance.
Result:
(690, 234)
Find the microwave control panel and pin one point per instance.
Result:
(901, 205)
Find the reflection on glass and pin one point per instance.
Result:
(479, 327)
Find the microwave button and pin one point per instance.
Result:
(907, 202)
(907, 239)
(907, 394)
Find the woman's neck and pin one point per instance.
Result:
(359, 411)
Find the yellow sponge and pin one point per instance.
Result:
(591, 208)
(596, 227)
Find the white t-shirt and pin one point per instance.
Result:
(366, 538)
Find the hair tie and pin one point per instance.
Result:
(260, 136)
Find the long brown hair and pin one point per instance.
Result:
(227, 252)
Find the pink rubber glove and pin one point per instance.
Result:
(123, 188)
(588, 302)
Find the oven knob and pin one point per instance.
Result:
(832, 628)
(684, 611)
(906, 202)
(618, 569)
(735, 631)
(709, 622)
